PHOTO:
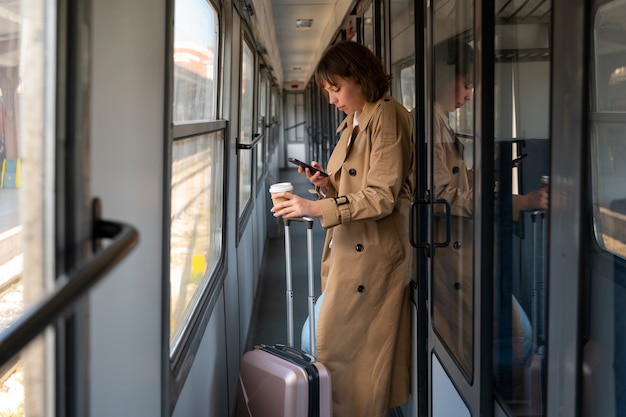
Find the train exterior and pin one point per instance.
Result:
(138, 257)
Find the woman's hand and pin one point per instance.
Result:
(316, 179)
(295, 206)
(535, 200)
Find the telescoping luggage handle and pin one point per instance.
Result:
(289, 293)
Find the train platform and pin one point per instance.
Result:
(10, 236)
(9, 209)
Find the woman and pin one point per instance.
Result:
(363, 331)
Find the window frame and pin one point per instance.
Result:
(178, 359)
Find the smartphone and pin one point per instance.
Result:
(305, 165)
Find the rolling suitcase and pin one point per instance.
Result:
(280, 380)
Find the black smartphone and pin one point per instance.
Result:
(305, 165)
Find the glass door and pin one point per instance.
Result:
(489, 144)
(451, 145)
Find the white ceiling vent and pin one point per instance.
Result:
(304, 24)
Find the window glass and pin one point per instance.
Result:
(453, 179)
(608, 126)
(246, 109)
(195, 61)
(262, 120)
(26, 190)
(295, 121)
(403, 52)
(407, 86)
(521, 126)
(604, 342)
(196, 222)
(368, 28)
(197, 187)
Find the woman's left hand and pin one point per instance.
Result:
(295, 207)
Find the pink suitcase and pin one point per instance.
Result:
(282, 381)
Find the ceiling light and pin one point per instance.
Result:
(304, 24)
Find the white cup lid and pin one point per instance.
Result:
(281, 187)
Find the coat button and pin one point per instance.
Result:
(457, 286)
(361, 288)
(457, 245)
(352, 172)
(359, 247)
(455, 170)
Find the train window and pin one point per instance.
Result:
(261, 129)
(453, 173)
(407, 86)
(195, 63)
(246, 115)
(521, 152)
(28, 196)
(196, 222)
(273, 117)
(403, 52)
(604, 363)
(27, 190)
(368, 27)
(609, 127)
(198, 164)
(294, 118)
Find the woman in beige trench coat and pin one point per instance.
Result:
(364, 324)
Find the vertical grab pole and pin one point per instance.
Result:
(534, 293)
(311, 286)
(545, 182)
(288, 285)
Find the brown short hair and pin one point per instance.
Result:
(354, 61)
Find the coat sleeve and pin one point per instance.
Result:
(389, 164)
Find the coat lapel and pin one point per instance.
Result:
(347, 140)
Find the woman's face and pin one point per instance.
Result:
(461, 93)
(346, 95)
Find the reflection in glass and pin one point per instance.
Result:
(453, 181)
(196, 222)
(521, 126)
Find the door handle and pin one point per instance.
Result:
(34, 320)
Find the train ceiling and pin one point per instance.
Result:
(303, 29)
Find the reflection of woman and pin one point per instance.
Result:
(363, 329)
(453, 182)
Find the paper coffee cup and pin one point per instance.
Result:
(280, 187)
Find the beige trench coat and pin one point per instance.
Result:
(367, 263)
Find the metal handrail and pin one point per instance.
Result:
(258, 137)
(30, 324)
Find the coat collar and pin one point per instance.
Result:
(364, 117)
(345, 144)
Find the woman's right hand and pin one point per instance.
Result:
(316, 179)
